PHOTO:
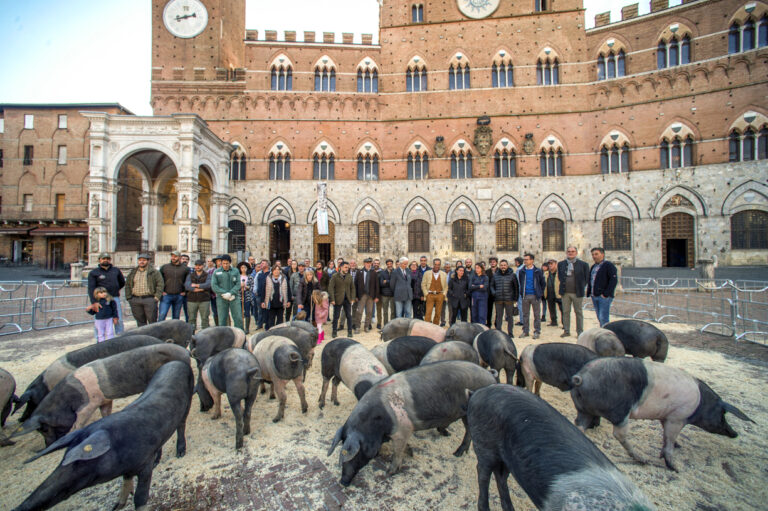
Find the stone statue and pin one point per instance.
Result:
(95, 207)
(483, 139)
(185, 207)
(183, 241)
(94, 241)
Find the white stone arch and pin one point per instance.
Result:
(146, 181)
(614, 137)
(553, 206)
(368, 209)
(551, 142)
(507, 207)
(333, 213)
(459, 59)
(325, 62)
(119, 158)
(461, 146)
(416, 62)
(462, 208)
(418, 147)
(503, 56)
(694, 198)
(243, 213)
(367, 64)
(368, 148)
(748, 195)
(279, 148)
(279, 61)
(323, 148)
(206, 165)
(749, 119)
(617, 203)
(505, 144)
(678, 129)
(166, 174)
(419, 208)
(278, 209)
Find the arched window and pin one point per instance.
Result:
(551, 162)
(749, 146)
(676, 153)
(553, 235)
(734, 146)
(416, 77)
(754, 34)
(762, 144)
(280, 167)
(547, 72)
(748, 36)
(281, 77)
(368, 237)
(762, 31)
(504, 163)
(614, 159)
(673, 52)
(417, 13)
(463, 236)
(367, 167)
(734, 38)
(461, 165)
(506, 236)
(661, 55)
(367, 80)
(237, 164)
(502, 75)
(418, 163)
(617, 233)
(458, 76)
(323, 163)
(749, 230)
(418, 236)
(540, 5)
(325, 78)
(236, 236)
(611, 65)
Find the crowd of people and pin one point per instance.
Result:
(252, 294)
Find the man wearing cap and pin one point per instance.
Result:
(225, 282)
(185, 262)
(367, 292)
(143, 290)
(198, 286)
(174, 275)
(111, 278)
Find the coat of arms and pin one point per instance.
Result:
(439, 147)
(528, 144)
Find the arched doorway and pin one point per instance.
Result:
(325, 246)
(236, 237)
(677, 240)
(279, 241)
(129, 234)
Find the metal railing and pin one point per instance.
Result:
(736, 309)
(26, 306)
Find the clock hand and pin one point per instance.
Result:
(193, 15)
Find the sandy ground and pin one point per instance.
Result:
(284, 465)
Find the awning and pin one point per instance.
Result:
(20, 231)
(60, 231)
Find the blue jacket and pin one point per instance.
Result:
(261, 284)
(539, 284)
(475, 281)
(108, 310)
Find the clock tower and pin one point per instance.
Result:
(197, 40)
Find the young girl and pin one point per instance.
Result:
(320, 299)
(106, 317)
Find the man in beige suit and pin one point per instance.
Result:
(434, 286)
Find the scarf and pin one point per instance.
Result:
(570, 266)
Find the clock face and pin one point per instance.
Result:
(185, 18)
(477, 8)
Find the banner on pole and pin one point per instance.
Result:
(322, 209)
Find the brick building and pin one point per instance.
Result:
(44, 176)
(473, 128)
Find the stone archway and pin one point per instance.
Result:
(279, 241)
(325, 245)
(677, 240)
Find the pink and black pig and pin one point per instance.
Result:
(401, 327)
(402, 353)
(553, 363)
(280, 362)
(623, 388)
(425, 397)
(450, 350)
(518, 433)
(128, 443)
(93, 386)
(347, 361)
(640, 338)
(464, 332)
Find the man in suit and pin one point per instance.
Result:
(401, 289)
(367, 291)
(434, 286)
(603, 278)
(574, 274)
(386, 305)
(341, 291)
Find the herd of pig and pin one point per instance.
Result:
(421, 377)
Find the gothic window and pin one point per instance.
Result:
(614, 159)
(540, 5)
(416, 79)
(237, 164)
(507, 235)
(676, 153)
(675, 52)
(504, 163)
(417, 13)
(553, 235)
(458, 76)
(762, 31)
(418, 165)
(368, 237)
(749, 145)
(461, 164)
(617, 233)
(236, 236)
(281, 77)
(367, 167)
(280, 167)
(501, 75)
(752, 35)
(749, 230)
(611, 65)
(551, 162)
(418, 236)
(463, 236)
(367, 80)
(547, 72)
(323, 167)
(762, 145)
(325, 79)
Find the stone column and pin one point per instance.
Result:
(101, 217)
(151, 217)
(188, 192)
(219, 222)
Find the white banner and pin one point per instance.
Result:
(322, 209)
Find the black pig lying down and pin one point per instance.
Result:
(176, 329)
(556, 465)
(7, 399)
(346, 360)
(451, 350)
(498, 351)
(622, 388)
(72, 402)
(553, 363)
(402, 353)
(65, 364)
(640, 338)
(430, 396)
(234, 372)
(128, 443)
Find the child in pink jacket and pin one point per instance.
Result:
(320, 299)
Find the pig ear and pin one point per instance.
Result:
(28, 426)
(728, 407)
(90, 448)
(336, 440)
(350, 449)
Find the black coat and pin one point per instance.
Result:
(304, 296)
(580, 272)
(458, 292)
(370, 288)
(111, 279)
(385, 282)
(504, 286)
(605, 281)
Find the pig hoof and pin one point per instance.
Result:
(181, 452)
(677, 445)
(6, 443)
(336, 403)
(276, 419)
(304, 409)
(321, 405)
(215, 417)
(443, 432)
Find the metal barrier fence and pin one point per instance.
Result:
(736, 309)
(26, 306)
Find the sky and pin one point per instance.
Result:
(98, 51)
